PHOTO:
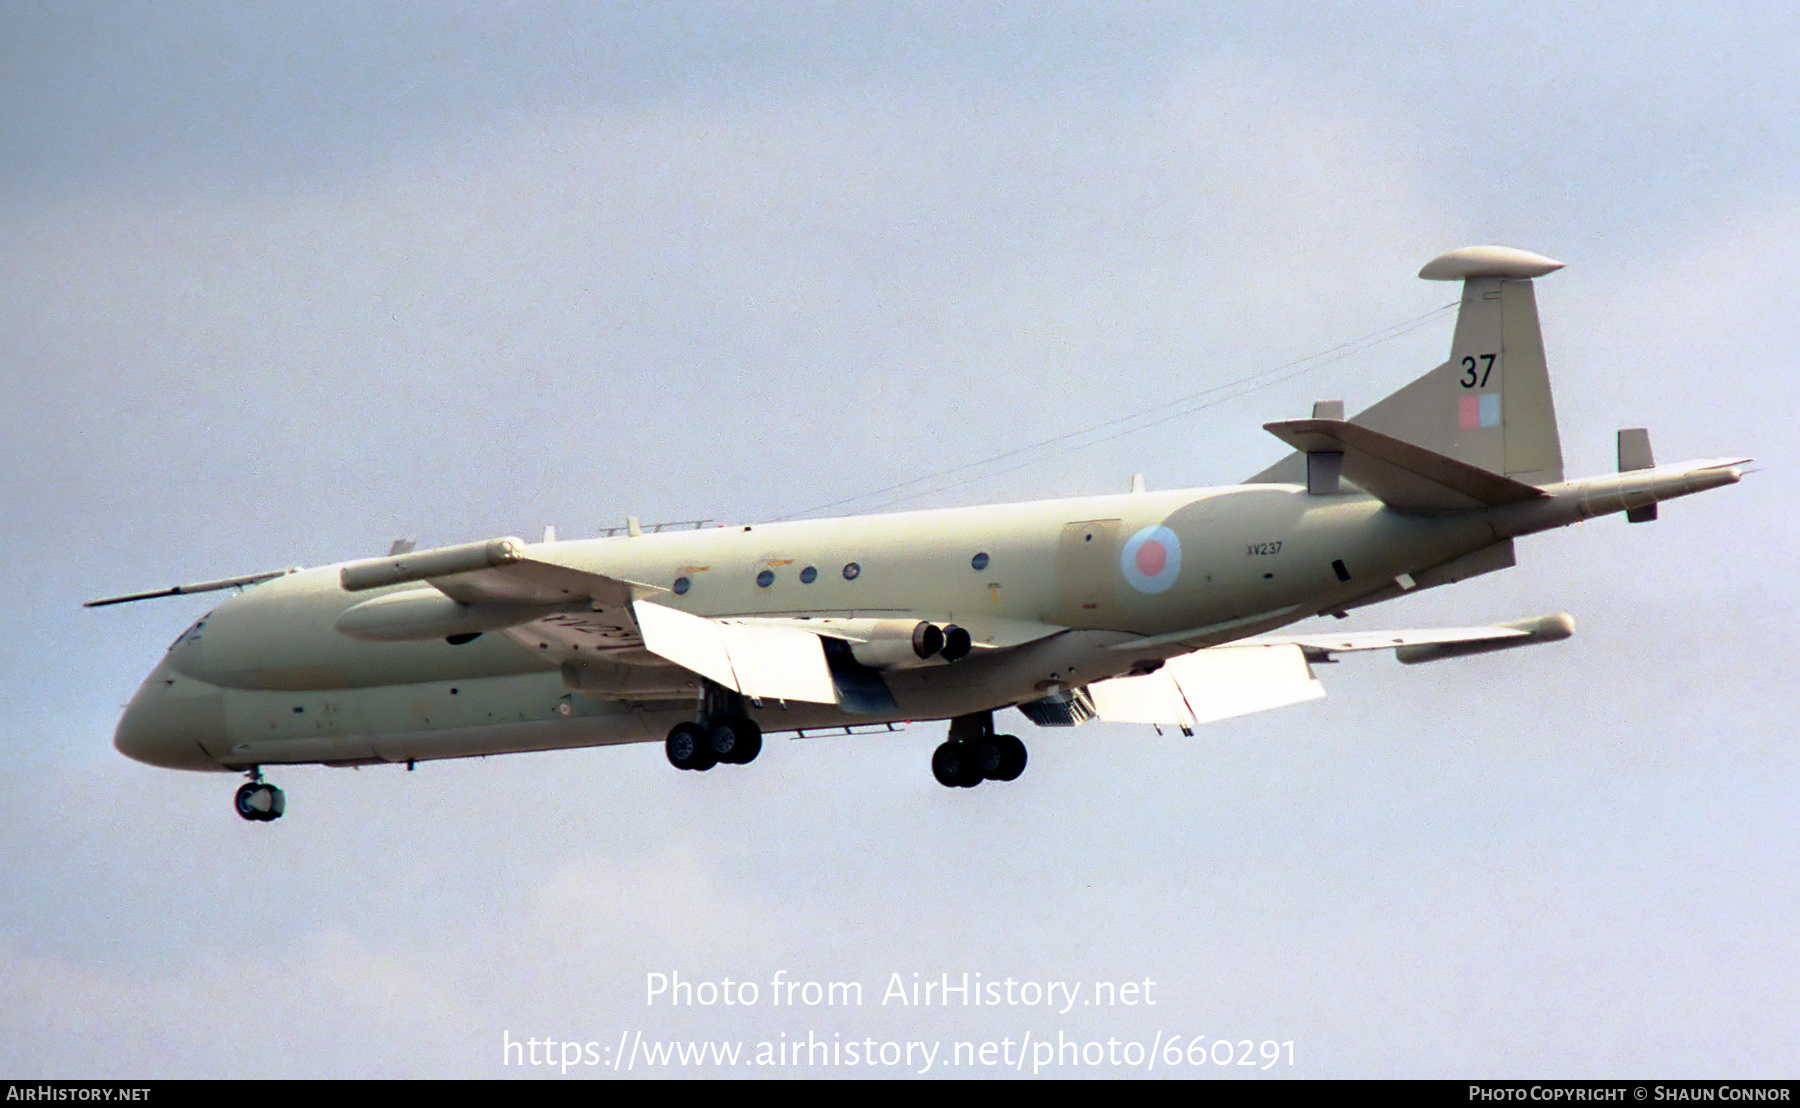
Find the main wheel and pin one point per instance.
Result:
(736, 741)
(1012, 758)
(988, 756)
(953, 764)
(689, 747)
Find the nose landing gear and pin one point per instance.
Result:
(259, 801)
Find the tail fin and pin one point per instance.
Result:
(1489, 405)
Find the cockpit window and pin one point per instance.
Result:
(192, 634)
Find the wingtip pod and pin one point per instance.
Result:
(1529, 632)
(424, 564)
(1488, 261)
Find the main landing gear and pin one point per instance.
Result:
(724, 733)
(260, 801)
(973, 754)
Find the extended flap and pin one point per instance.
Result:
(764, 661)
(1208, 685)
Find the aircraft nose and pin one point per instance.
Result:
(169, 720)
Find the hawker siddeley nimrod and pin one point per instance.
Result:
(1138, 607)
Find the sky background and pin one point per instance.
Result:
(283, 284)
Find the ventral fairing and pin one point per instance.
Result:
(1170, 608)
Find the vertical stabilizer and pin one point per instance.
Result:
(1489, 405)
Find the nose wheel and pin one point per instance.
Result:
(258, 801)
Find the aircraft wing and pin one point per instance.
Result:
(1255, 675)
(568, 613)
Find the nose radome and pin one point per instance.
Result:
(168, 720)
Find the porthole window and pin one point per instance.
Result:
(809, 575)
(682, 585)
(765, 579)
(851, 571)
(979, 561)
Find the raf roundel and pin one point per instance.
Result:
(1151, 559)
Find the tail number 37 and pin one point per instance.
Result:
(1476, 370)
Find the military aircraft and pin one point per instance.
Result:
(1147, 607)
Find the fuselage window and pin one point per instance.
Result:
(682, 585)
(765, 579)
(979, 561)
(809, 575)
(851, 571)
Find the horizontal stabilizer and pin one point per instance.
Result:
(1405, 477)
(761, 661)
(1208, 685)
